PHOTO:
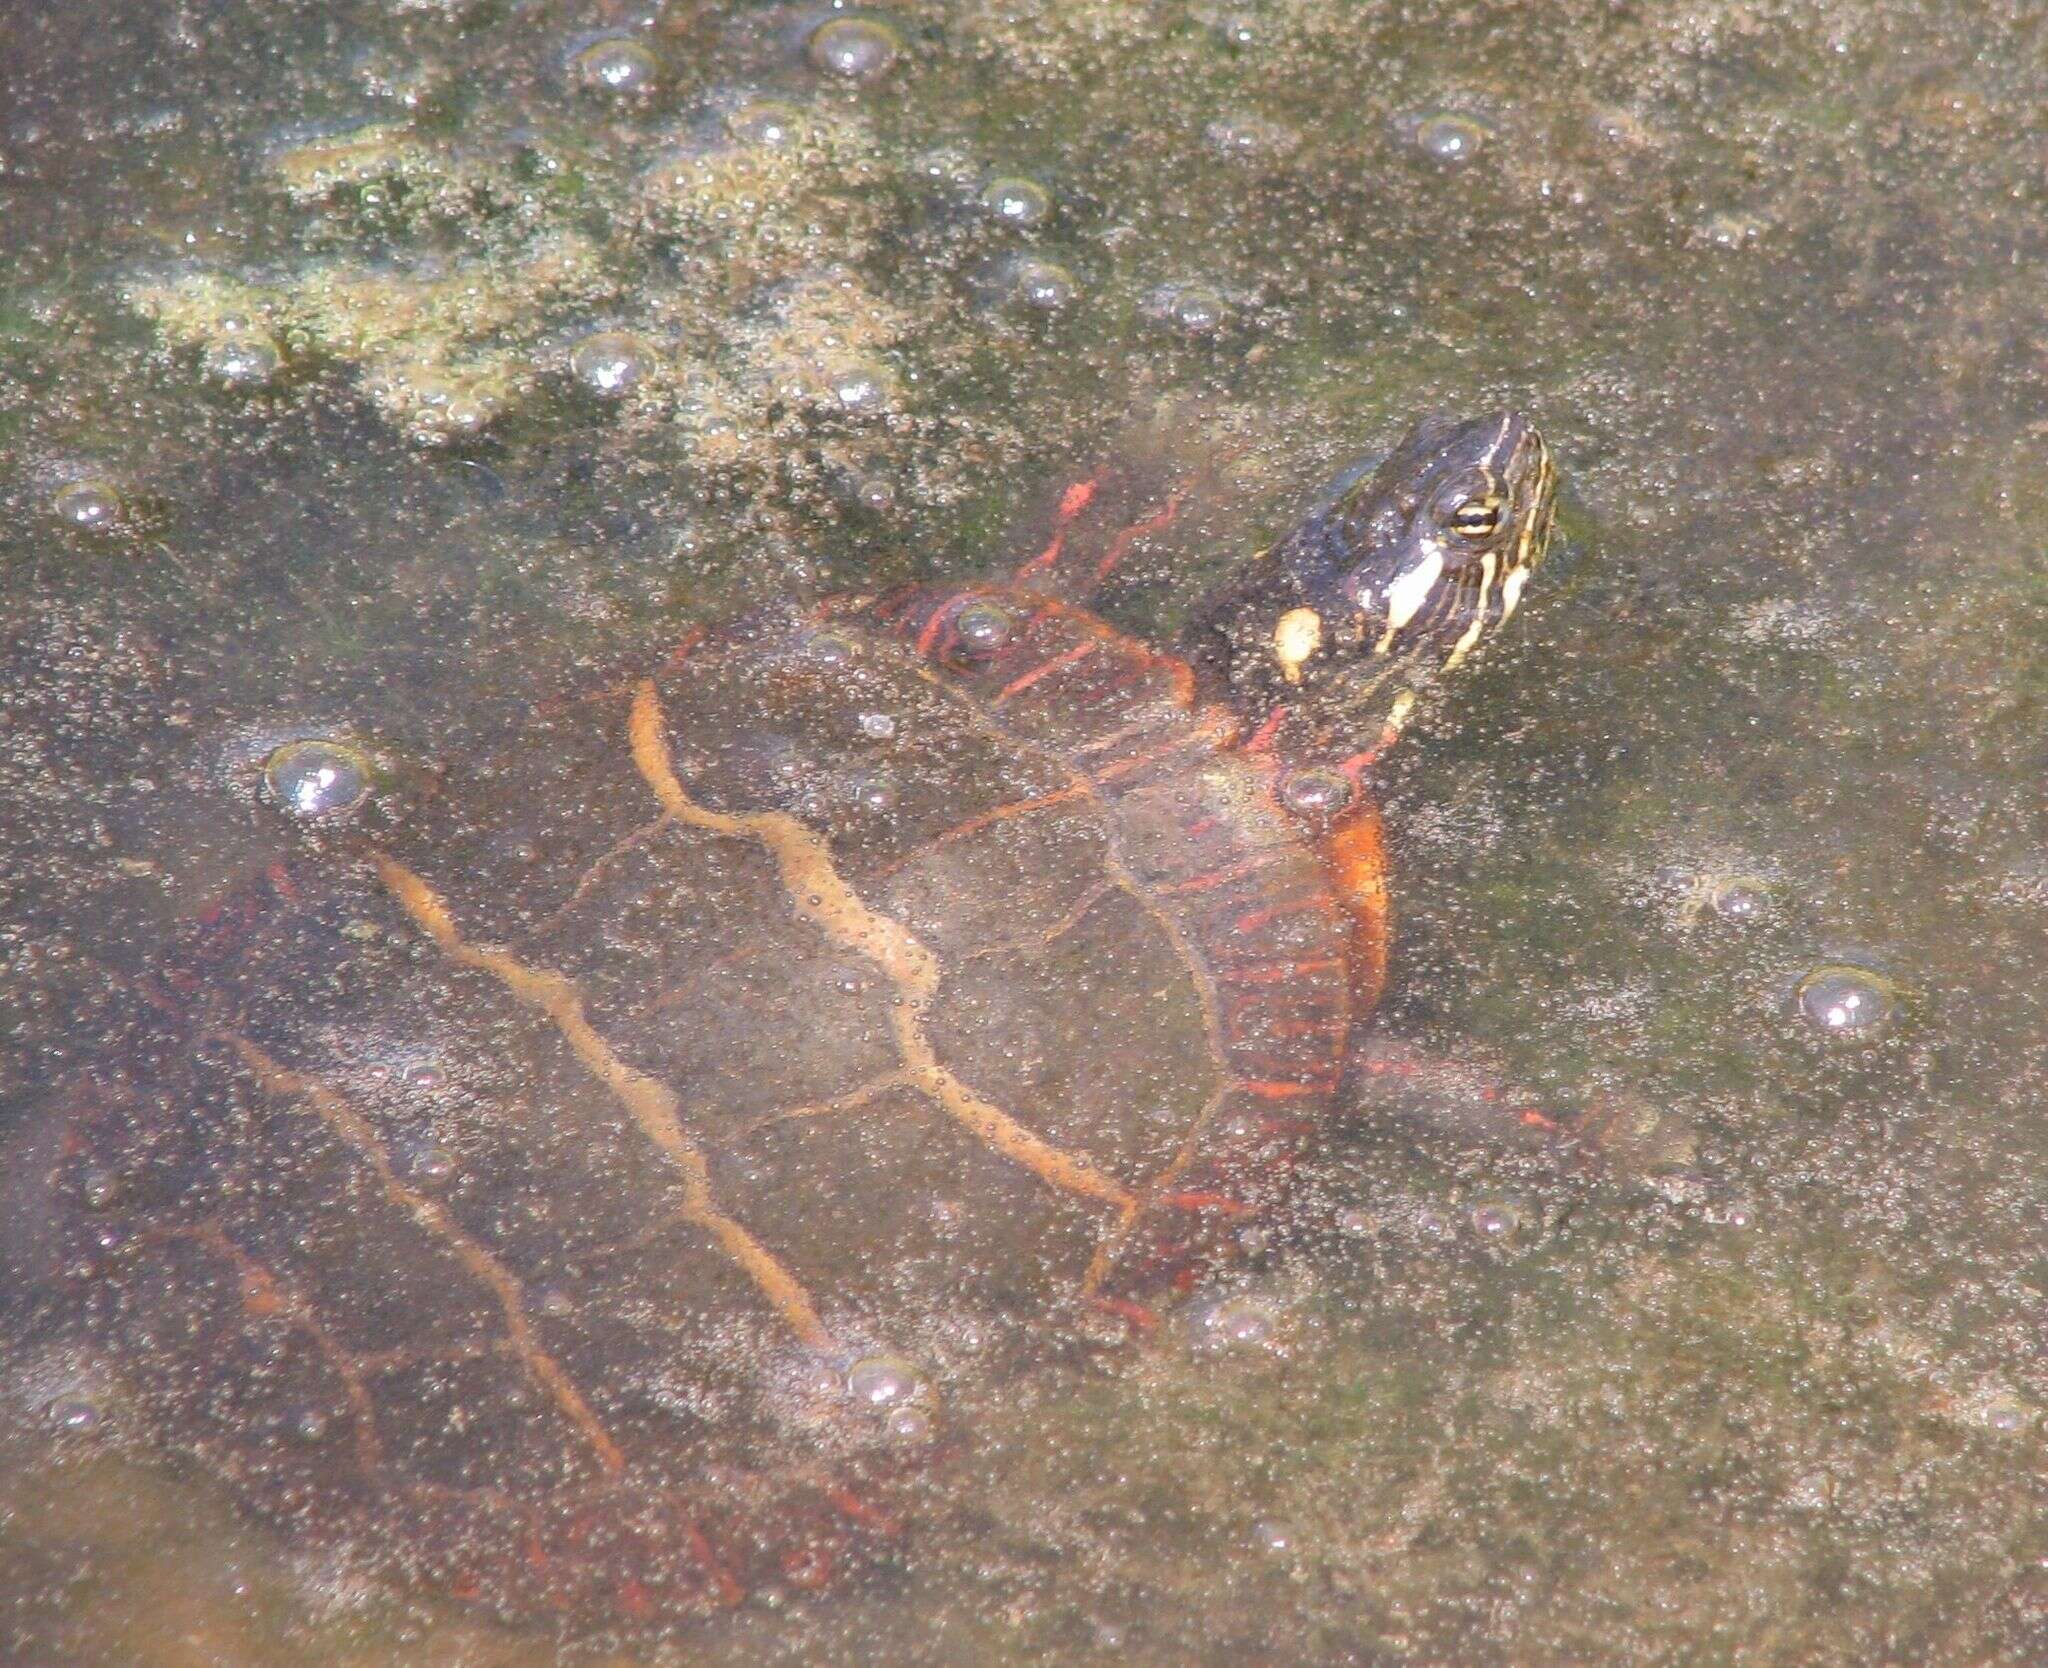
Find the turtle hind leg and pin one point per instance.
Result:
(1464, 1099)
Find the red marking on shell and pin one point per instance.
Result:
(808, 1567)
(1221, 1203)
(1355, 767)
(1221, 877)
(1273, 972)
(1284, 1089)
(1136, 730)
(1261, 739)
(1301, 1078)
(683, 650)
(1252, 920)
(1306, 1027)
(730, 1592)
(1045, 669)
(941, 618)
(1210, 732)
(851, 1506)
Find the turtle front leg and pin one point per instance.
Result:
(1078, 556)
(1157, 473)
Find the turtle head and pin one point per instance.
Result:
(1398, 575)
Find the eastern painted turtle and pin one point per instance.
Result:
(580, 1182)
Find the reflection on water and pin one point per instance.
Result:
(378, 375)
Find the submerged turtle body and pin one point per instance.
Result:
(583, 1186)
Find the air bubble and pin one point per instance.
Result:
(874, 493)
(76, 1415)
(884, 1381)
(1017, 202)
(1042, 286)
(765, 121)
(983, 629)
(1732, 1213)
(1447, 136)
(910, 1424)
(609, 363)
(877, 726)
(875, 795)
(242, 361)
(1495, 1220)
(1618, 127)
(1245, 135)
(440, 411)
(1844, 1001)
(860, 388)
(92, 505)
(1198, 310)
(1731, 231)
(617, 66)
(1241, 1321)
(856, 48)
(1738, 898)
(318, 781)
(1316, 791)
(832, 648)
(434, 1165)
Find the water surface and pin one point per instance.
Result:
(302, 431)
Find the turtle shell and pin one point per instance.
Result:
(588, 1185)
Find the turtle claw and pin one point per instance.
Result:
(1653, 1142)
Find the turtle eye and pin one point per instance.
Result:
(1476, 518)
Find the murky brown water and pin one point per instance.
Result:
(382, 370)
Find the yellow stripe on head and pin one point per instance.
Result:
(1487, 567)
